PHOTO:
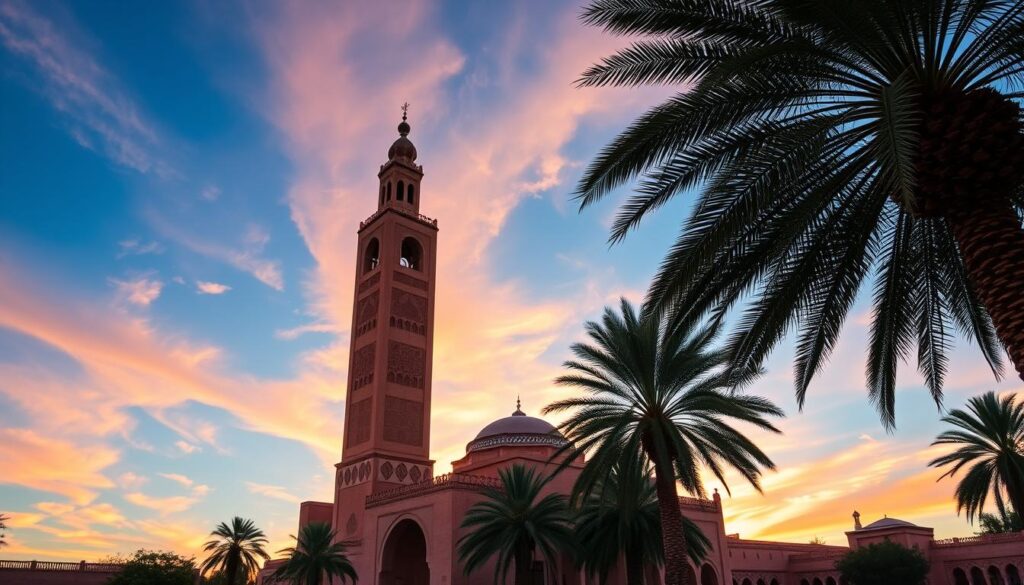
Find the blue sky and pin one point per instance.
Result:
(180, 185)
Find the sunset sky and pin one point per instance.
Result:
(180, 187)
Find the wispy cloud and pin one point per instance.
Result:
(210, 193)
(247, 258)
(272, 491)
(140, 291)
(211, 288)
(136, 247)
(100, 115)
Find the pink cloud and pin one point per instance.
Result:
(140, 291)
(211, 288)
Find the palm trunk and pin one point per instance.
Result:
(634, 565)
(1015, 490)
(231, 570)
(524, 572)
(673, 541)
(991, 243)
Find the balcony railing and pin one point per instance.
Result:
(441, 482)
(61, 566)
(981, 539)
(393, 207)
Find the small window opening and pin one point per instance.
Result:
(412, 254)
(381, 204)
(410, 198)
(389, 191)
(371, 258)
(401, 190)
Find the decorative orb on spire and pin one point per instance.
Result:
(403, 148)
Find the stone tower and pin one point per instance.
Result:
(387, 406)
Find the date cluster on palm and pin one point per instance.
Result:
(970, 152)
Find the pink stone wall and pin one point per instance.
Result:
(43, 577)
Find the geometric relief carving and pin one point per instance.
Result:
(403, 472)
(357, 473)
(366, 313)
(359, 425)
(408, 311)
(403, 421)
(369, 283)
(406, 364)
(410, 281)
(362, 366)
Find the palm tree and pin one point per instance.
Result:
(990, 440)
(664, 391)
(832, 140)
(619, 517)
(1006, 521)
(235, 547)
(3, 526)
(511, 522)
(316, 554)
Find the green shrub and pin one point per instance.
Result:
(884, 563)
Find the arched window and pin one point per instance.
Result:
(1012, 576)
(401, 190)
(977, 577)
(761, 582)
(381, 195)
(389, 191)
(830, 581)
(747, 582)
(995, 577)
(959, 577)
(412, 254)
(817, 581)
(804, 582)
(774, 582)
(410, 197)
(371, 257)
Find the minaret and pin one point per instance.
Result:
(387, 403)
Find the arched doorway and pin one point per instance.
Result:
(1012, 576)
(707, 575)
(977, 576)
(959, 577)
(404, 560)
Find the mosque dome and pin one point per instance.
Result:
(517, 429)
(889, 523)
(403, 148)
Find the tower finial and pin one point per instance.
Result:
(403, 126)
(519, 408)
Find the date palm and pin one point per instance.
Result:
(664, 391)
(316, 555)
(511, 522)
(989, 441)
(3, 527)
(618, 518)
(235, 547)
(830, 143)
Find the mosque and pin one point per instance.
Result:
(401, 523)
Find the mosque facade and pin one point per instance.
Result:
(400, 521)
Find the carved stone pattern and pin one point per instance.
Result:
(366, 313)
(406, 364)
(408, 311)
(351, 525)
(403, 421)
(357, 473)
(410, 281)
(359, 417)
(402, 472)
(362, 366)
(369, 283)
